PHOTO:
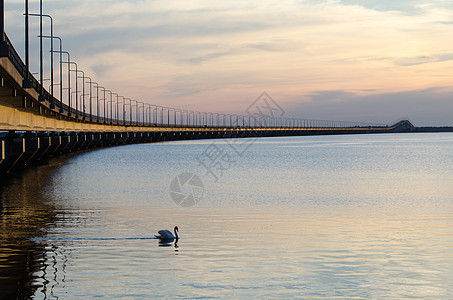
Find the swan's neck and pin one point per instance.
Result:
(176, 234)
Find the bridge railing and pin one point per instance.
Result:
(21, 67)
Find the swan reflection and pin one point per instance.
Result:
(168, 243)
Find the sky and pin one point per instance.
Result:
(362, 60)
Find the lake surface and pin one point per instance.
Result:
(359, 216)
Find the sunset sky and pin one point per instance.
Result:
(360, 60)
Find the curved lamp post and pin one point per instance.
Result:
(130, 112)
(61, 59)
(83, 94)
(124, 112)
(26, 83)
(51, 49)
(97, 98)
(91, 115)
(69, 75)
(77, 88)
(103, 99)
(111, 107)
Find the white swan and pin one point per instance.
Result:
(167, 234)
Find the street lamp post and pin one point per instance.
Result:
(83, 94)
(2, 25)
(41, 68)
(168, 116)
(136, 104)
(26, 83)
(103, 99)
(97, 100)
(91, 115)
(111, 105)
(41, 15)
(124, 109)
(143, 114)
(118, 108)
(52, 61)
(150, 115)
(69, 80)
(130, 111)
(187, 118)
(162, 114)
(69, 75)
(137, 113)
(77, 88)
(174, 117)
(156, 115)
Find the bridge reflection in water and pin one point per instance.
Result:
(36, 125)
(25, 213)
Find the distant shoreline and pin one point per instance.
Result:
(434, 129)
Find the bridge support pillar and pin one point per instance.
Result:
(137, 138)
(32, 146)
(122, 138)
(157, 137)
(2, 152)
(81, 140)
(14, 149)
(115, 138)
(96, 139)
(88, 140)
(44, 146)
(72, 141)
(107, 139)
(130, 137)
(146, 138)
(55, 143)
(64, 143)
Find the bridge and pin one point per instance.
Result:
(36, 124)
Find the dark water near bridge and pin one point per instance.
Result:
(367, 216)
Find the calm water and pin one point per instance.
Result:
(367, 216)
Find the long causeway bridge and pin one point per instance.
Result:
(77, 113)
